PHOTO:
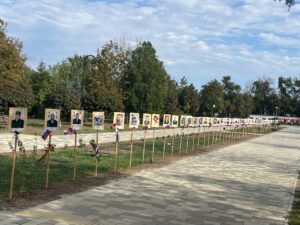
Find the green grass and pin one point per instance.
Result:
(30, 175)
(294, 216)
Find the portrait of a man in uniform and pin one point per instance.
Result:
(77, 120)
(17, 122)
(52, 118)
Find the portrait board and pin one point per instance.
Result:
(98, 120)
(119, 118)
(175, 119)
(195, 121)
(167, 120)
(205, 121)
(200, 121)
(134, 120)
(77, 119)
(155, 120)
(190, 121)
(52, 119)
(183, 121)
(147, 120)
(17, 119)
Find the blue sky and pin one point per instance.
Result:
(201, 40)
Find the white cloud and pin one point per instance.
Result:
(199, 39)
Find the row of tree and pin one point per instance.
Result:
(120, 78)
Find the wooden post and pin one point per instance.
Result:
(199, 133)
(117, 149)
(75, 156)
(97, 159)
(180, 144)
(48, 162)
(131, 147)
(208, 136)
(187, 139)
(144, 146)
(165, 136)
(193, 139)
(173, 142)
(204, 136)
(14, 157)
(153, 146)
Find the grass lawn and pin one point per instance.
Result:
(30, 175)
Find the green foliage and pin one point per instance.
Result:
(188, 98)
(14, 90)
(63, 99)
(212, 98)
(145, 82)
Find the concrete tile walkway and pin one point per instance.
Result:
(251, 183)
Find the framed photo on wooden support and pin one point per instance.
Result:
(52, 119)
(147, 120)
(98, 120)
(175, 121)
(17, 119)
(134, 120)
(77, 119)
(119, 118)
(155, 120)
(167, 120)
(183, 121)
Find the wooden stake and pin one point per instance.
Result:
(187, 140)
(199, 129)
(97, 159)
(164, 149)
(75, 156)
(117, 149)
(180, 144)
(14, 157)
(144, 147)
(153, 145)
(131, 147)
(173, 142)
(48, 162)
(193, 138)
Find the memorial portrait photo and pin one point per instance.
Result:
(98, 120)
(183, 121)
(190, 120)
(147, 120)
(195, 121)
(52, 119)
(167, 120)
(134, 120)
(155, 120)
(119, 119)
(77, 119)
(17, 119)
(175, 121)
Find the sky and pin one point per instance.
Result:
(199, 39)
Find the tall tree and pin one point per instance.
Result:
(231, 92)
(212, 98)
(145, 82)
(188, 98)
(14, 87)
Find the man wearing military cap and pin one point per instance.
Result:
(17, 122)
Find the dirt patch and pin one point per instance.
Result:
(60, 189)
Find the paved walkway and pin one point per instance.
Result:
(251, 183)
(104, 137)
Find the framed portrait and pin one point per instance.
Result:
(147, 120)
(155, 120)
(200, 121)
(77, 119)
(190, 121)
(17, 119)
(174, 122)
(52, 119)
(167, 120)
(195, 121)
(119, 118)
(183, 121)
(134, 120)
(98, 120)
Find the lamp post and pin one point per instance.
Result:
(276, 112)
